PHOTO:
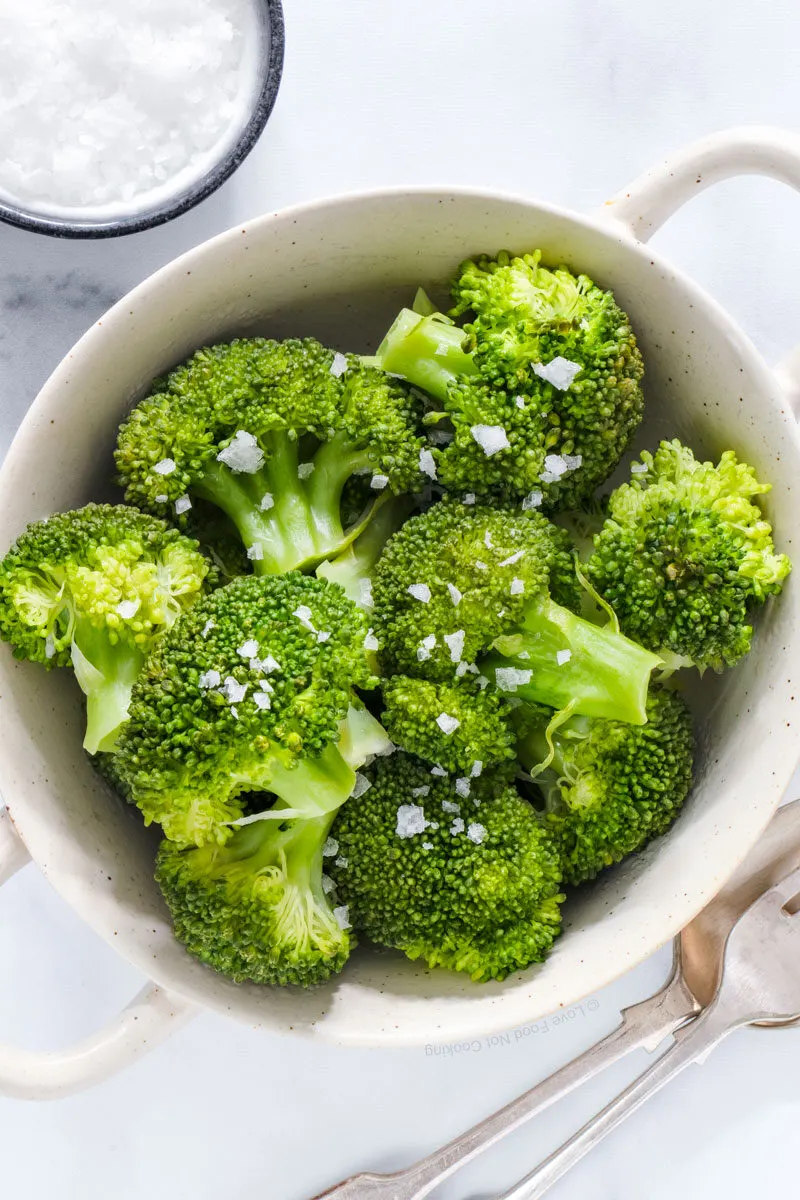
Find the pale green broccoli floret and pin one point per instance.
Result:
(95, 589)
(686, 555)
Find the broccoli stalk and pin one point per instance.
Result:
(428, 351)
(287, 522)
(106, 671)
(352, 569)
(256, 909)
(559, 659)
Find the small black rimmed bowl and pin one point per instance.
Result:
(188, 197)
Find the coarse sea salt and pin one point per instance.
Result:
(108, 109)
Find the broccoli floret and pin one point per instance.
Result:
(271, 432)
(608, 787)
(542, 385)
(466, 883)
(256, 908)
(94, 589)
(353, 569)
(252, 691)
(685, 556)
(495, 580)
(455, 725)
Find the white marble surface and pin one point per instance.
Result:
(564, 101)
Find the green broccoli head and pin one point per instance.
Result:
(470, 883)
(457, 575)
(95, 589)
(271, 433)
(454, 725)
(256, 908)
(609, 787)
(541, 386)
(251, 692)
(464, 585)
(686, 554)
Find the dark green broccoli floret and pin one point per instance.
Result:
(686, 554)
(541, 386)
(94, 589)
(491, 583)
(255, 908)
(466, 883)
(251, 692)
(271, 433)
(609, 787)
(455, 725)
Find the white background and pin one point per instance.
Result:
(552, 98)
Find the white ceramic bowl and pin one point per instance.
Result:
(340, 269)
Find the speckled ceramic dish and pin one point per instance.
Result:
(340, 269)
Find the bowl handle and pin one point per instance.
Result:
(643, 207)
(150, 1017)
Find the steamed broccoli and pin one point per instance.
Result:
(271, 432)
(609, 787)
(251, 692)
(256, 908)
(686, 554)
(466, 883)
(463, 585)
(454, 725)
(95, 589)
(541, 386)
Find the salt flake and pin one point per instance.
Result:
(410, 820)
(490, 438)
(559, 371)
(563, 656)
(448, 724)
(165, 467)
(420, 591)
(508, 679)
(243, 455)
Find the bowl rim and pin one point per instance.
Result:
(201, 189)
(500, 1012)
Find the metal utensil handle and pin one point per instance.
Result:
(694, 1041)
(643, 1024)
(151, 1016)
(643, 207)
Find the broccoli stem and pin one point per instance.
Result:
(605, 675)
(315, 786)
(354, 566)
(427, 351)
(302, 524)
(106, 673)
